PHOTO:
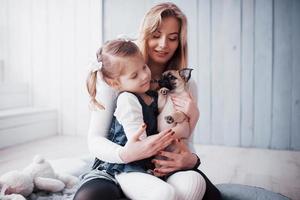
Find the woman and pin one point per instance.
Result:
(163, 42)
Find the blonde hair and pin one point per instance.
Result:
(110, 67)
(152, 21)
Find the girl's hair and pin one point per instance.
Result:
(110, 67)
(152, 21)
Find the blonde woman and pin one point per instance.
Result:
(163, 43)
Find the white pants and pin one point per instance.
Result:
(183, 185)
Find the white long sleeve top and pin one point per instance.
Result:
(99, 145)
(129, 113)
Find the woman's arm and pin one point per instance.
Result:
(194, 116)
(99, 145)
(187, 103)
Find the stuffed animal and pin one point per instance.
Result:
(39, 175)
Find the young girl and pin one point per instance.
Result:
(123, 68)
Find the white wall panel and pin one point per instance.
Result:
(263, 67)
(232, 39)
(217, 78)
(204, 72)
(247, 73)
(282, 75)
(295, 122)
(3, 38)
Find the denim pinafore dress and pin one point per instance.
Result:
(117, 135)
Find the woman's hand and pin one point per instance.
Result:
(186, 104)
(182, 160)
(136, 149)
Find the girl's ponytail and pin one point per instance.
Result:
(91, 87)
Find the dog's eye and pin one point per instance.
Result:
(173, 78)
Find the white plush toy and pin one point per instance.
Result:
(39, 175)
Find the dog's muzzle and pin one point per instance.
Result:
(166, 82)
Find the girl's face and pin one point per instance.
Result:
(164, 41)
(135, 76)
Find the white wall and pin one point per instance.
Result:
(48, 44)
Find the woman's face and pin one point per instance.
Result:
(164, 41)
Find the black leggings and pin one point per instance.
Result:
(102, 189)
(211, 192)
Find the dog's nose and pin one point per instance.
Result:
(165, 82)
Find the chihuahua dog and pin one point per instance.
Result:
(172, 83)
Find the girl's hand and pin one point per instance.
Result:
(136, 149)
(175, 161)
(186, 104)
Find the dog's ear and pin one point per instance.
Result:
(185, 74)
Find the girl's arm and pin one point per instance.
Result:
(129, 114)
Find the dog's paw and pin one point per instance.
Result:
(169, 119)
(164, 91)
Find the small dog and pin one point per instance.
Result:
(172, 83)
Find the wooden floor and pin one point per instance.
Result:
(278, 171)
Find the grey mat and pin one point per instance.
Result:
(244, 192)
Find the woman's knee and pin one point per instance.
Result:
(188, 184)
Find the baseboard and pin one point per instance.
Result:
(26, 124)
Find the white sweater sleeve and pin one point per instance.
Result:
(194, 92)
(193, 89)
(99, 145)
(129, 114)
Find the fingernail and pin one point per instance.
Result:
(173, 132)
